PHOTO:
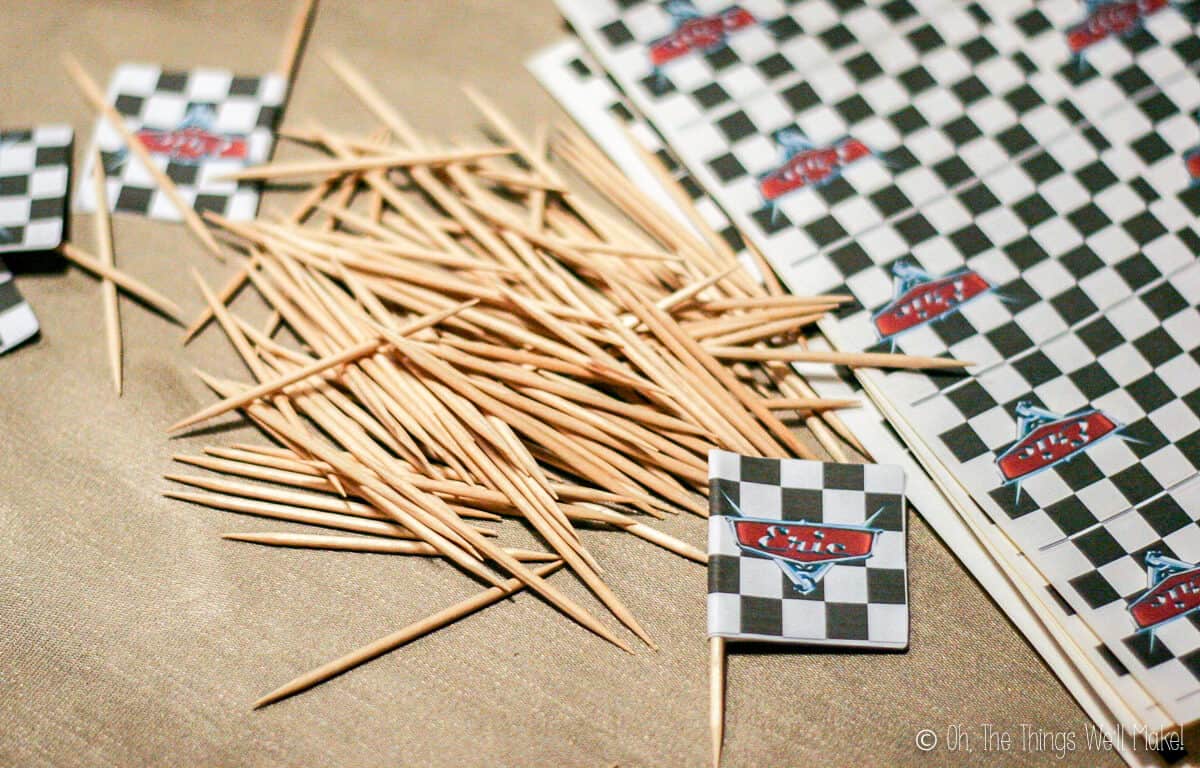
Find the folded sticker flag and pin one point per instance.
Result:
(34, 175)
(807, 552)
(198, 125)
(17, 323)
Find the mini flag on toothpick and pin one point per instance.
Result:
(34, 177)
(807, 552)
(802, 552)
(198, 125)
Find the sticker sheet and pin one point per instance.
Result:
(807, 552)
(17, 322)
(986, 179)
(198, 125)
(1137, 573)
(35, 170)
(1052, 625)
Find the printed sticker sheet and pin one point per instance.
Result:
(994, 181)
(1101, 685)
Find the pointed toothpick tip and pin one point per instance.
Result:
(269, 699)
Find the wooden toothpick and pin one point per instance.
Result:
(716, 696)
(810, 403)
(852, 359)
(293, 42)
(377, 162)
(364, 544)
(104, 246)
(130, 285)
(396, 639)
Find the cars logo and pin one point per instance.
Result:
(804, 551)
(1173, 591)
(695, 32)
(806, 165)
(1106, 18)
(920, 298)
(1045, 439)
(193, 140)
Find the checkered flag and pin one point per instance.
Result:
(17, 323)
(807, 552)
(198, 125)
(34, 175)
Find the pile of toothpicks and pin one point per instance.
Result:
(458, 336)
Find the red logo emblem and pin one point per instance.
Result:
(191, 145)
(806, 166)
(921, 299)
(804, 551)
(1046, 439)
(1191, 159)
(803, 543)
(694, 32)
(1108, 18)
(193, 140)
(1173, 592)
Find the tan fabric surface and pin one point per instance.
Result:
(130, 634)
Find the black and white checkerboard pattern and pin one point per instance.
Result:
(1138, 363)
(35, 170)
(1161, 41)
(1102, 569)
(949, 98)
(596, 104)
(1076, 227)
(17, 322)
(223, 104)
(856, 604)
(1065, 209)
(786, 38)
(1127, 101)
(931, 159)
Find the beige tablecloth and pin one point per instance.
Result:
(130, 634)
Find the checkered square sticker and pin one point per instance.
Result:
(17, 323)
(807, 552)
(198, 125)
(35, 167)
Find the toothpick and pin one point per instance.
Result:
(396, 639)
(810, 403)
(369, 163)
(277, 385)
(852, 359)
(125, 282)
(716, 696)
(361, 544)
(518, 181)
(293, 44)
(104, 246)
(765, 302)
(345, 356)
(293, 514)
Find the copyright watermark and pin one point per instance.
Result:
(927, 739)
(1047, 742)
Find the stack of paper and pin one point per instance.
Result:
(1004, 182)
